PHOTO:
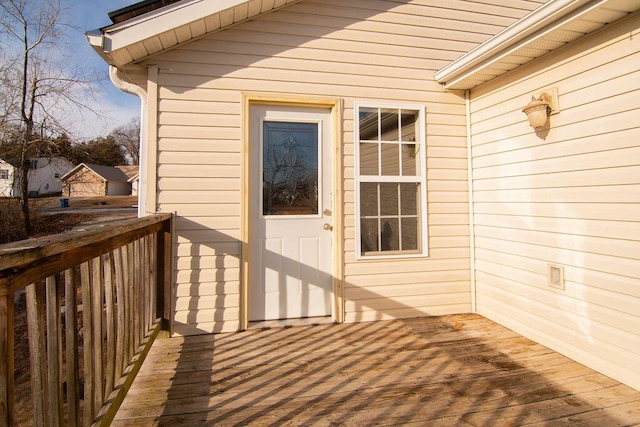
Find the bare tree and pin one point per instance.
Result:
(128, 138)
(40, 92)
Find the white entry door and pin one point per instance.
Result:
(290, 239)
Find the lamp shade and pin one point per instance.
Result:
(537, 112)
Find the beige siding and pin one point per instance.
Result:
(569, 197)
(356, 50)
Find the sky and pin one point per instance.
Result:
(117, 107)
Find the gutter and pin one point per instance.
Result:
(95, 38)
(125, 86)
(533, 26)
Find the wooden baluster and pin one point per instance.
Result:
(53, 352)
(136, 294)
(7, 332)
(97, 286)
(144, 289)
(144, 273)
(71, 342)
(120, 314)
(110, 325)
(151, 287)
(37, 355)
(153, 294)
(87, 337)
(60, 295)
(130, 271)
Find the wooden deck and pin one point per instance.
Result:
(459, 370)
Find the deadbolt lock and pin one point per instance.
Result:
(327, 226)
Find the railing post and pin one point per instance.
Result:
(163, 277)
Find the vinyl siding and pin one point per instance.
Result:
(356, 50)
(570, 197)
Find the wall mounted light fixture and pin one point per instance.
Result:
(540, 108)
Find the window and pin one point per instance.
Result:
(290, 168)
(390, 181)
(4, 173)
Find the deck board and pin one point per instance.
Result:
(461, 370)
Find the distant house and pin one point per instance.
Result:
(134, 180)
(44, 176)
(89, 180)
(132, 173)
(7, 172)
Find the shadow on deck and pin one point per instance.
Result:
(453, 370)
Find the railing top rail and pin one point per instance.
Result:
(17, 257)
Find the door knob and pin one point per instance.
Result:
(327, 226)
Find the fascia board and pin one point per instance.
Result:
(534, 25)
(166, 19)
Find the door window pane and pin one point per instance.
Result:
(290, 168)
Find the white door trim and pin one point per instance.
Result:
(335, 105)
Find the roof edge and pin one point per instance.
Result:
(167, 18)
(532, 26)
(138, 9)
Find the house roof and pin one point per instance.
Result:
(163, 28)
(549, 27)
(129, 170)
(107, 173)
(16, 162)
(137, 9)
(13, 162)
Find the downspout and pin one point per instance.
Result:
(472, 239)
(125, 86)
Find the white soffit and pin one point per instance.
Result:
(137, 38)
(547, 28)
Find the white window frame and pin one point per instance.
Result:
(421, 149)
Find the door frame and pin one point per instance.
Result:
(335, 106)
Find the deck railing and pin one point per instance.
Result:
(93, 301)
